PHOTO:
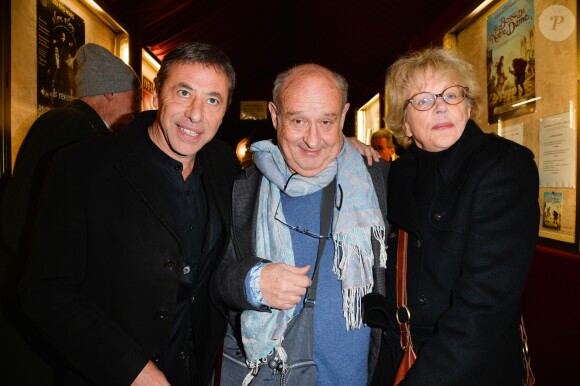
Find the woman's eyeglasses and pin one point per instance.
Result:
(426, 100)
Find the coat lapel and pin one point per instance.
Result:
(459, 159)
(243, 202)
(138, 169)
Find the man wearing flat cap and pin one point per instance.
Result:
(108, 98)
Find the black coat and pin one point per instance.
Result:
(471, 244)
(103, 275)
(51, 132)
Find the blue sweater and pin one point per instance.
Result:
(341, 356)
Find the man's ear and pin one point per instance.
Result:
(109, 96)
(273, 114)
(343, 115)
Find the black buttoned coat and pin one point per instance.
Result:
(103, 275)
(52, 131)
(468, 261)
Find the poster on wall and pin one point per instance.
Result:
(511, 75)
(60, 32)
(552, 213)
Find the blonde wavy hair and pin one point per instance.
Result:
(444, 63)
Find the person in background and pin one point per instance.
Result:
(382, 141)
(469, 203)
(128, 231)
(271, 257)
(108, 99)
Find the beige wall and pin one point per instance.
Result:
(556, 78)
(23, 63)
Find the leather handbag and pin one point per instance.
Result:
(404, 318)
(403, 314)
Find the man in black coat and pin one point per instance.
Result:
(128, 230)
(108, 98)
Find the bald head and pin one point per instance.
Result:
(286, 79)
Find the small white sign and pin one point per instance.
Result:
(514, 133)
(558, 151)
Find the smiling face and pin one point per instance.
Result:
(309, 121)
(440, 127)
(192, 103)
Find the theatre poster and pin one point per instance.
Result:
(60, 32)
(511, 61)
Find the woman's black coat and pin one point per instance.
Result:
(470, 250)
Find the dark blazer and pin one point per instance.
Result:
(52, 131)
(468, 260)
(103, 274)
(239, 257)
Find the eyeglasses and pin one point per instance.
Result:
(298, 229)
(426, 100)
(305, 231)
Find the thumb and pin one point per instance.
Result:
(300, 270)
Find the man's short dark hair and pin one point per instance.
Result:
(197, 52)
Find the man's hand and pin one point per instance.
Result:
(283, 285)
(366, 150)
(150, 376)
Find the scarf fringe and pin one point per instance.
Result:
(351, 305)
(379, 235)
(358, 252)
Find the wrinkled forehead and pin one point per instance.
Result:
(311, 88)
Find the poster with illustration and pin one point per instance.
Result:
(60, 32)
(552, 213)
(511, 62)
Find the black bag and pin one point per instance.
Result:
(298, 369)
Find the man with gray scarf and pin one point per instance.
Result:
(277, 211)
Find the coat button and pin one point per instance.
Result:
(422, 299)
(169, 264)
(162, 313)
(418, 243)
(437, 216)
(182, 355)
(155, 358)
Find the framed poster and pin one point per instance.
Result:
(511, 61)
(60, 32)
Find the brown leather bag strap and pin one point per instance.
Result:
(402, 269)
(403, 314)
